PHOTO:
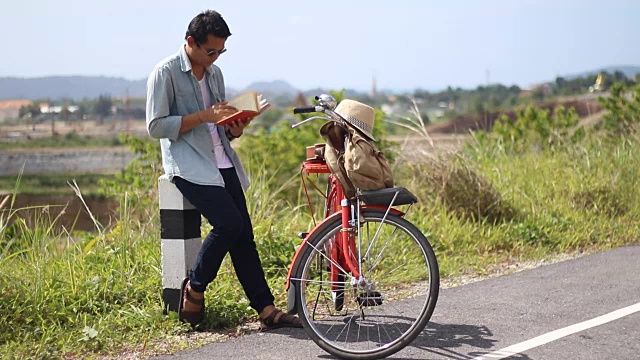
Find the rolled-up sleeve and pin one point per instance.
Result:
(160, 123)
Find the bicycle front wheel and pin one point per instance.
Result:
(383, 310)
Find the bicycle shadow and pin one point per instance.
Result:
(444, 339)
(451, 341)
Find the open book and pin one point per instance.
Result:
(249, 104)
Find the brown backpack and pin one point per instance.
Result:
(356, 162)
(334, 136)
(367, 168)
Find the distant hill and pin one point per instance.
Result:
(74, 87)
(348, 93)
(627, 70)
(278, 87)
(80, 87)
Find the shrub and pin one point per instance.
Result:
(139, 180)
(281, 150)
(458, 184)
(534, 129)
(624, 111)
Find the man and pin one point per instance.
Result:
(185, 97)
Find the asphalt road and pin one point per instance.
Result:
(585, 308)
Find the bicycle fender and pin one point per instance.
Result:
(304, 242)
(383, 208)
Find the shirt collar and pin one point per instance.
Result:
(185, 63)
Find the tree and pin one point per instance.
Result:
(478, 106)
(619, 76)
(30, 110)
(538, 94)
(103, 107)
(561, 84)
(268, 119)
(83, 110)
(623, 116)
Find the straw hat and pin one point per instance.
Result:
(357, 114)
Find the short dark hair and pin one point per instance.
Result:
(205, 23)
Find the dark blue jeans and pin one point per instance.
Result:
(226, 210)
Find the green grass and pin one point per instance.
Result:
(54, 184)
(77, 294)
(70, 140)
(62, 142)
(575, 201)
(83, 295)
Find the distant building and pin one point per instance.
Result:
(374, 88)
(300, 100)
(10, 109)
(48, 109)
(544, 88)
(60, 112)
(598, 84)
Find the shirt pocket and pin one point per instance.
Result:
(187, 99)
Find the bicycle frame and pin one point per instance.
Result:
(338, 280)
(343, 254)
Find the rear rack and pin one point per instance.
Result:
(385, 197)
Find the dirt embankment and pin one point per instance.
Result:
(463, 123)
(69, 210)
(96, 129)
(64, 161)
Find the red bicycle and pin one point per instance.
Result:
(365, 280)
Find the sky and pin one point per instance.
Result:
(405, 45)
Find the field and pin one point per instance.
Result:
(531, 190)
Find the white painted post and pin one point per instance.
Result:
(180, 236)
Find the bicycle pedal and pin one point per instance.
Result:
(303, 235)
(369, 298)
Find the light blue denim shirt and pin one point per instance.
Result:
(173, 92)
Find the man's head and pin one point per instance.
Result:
(206, 36)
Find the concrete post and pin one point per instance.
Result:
(180, 236)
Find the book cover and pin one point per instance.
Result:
(249, 104)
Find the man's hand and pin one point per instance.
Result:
(237, 127)
(217, 112)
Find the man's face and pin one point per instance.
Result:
(207, 53)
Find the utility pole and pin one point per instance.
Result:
(53, 120)
(127, 108)
(374, 89)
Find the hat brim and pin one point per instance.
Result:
(358, 125)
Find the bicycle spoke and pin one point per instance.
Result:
(381, 223)
(359, 237)
(383, 307)
(377, 260)
(328, 282)
(330, 260)
(348, 328)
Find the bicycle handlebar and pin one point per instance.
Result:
(307, 109)
(326, 105)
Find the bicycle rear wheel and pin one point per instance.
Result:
(387, 307)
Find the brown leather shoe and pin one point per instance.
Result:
(191, 317)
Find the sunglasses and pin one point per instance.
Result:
(213, 52)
